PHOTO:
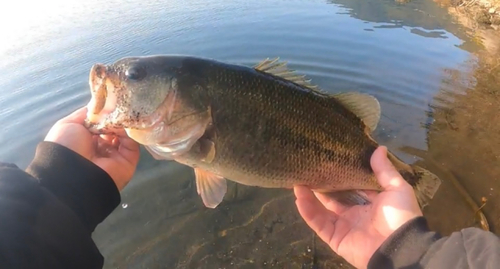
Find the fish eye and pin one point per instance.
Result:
(135, 73)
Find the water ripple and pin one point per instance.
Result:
(47, 77)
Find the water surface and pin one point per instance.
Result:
(412, 57)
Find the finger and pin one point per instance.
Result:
(107, 137)
(316, 216)
(95, 141)
(371, 194)
(104, 148)
(77, 116)
(387, 175)
(330, 203)
(115, 142)
(129, 149)
(120, 132)
(129, 143)
(302, 192)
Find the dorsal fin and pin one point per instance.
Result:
(279, 69)
(365, 106)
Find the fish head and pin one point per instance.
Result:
(141, 96)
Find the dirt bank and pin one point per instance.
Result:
(464, 138)
(481, 12)
(464, 141)
(480, 17)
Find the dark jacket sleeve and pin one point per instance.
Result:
(413, 245)
(49, 211)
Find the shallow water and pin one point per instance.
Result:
(412, 57)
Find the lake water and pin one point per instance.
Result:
(419, 64)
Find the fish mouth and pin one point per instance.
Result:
(103, 100)
(103, 117)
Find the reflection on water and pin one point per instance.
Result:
(464, 140)
(411, 57)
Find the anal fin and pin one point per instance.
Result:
(210, 187)
(349, 198)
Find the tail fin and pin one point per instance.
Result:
(424, 183)
(425, 186)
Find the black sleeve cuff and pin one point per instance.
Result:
(405, 247)
(37, 230)
(83, 186)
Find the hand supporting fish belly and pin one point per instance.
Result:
(260, 126)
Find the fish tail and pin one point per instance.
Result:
(425, 186)
(424, 183)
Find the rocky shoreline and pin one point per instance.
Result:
(483, 12)
(480, 17)
(479, 13)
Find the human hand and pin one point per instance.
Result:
(117, 155)
(355, 233)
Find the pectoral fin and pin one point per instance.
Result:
(210, 187)
(207, 149)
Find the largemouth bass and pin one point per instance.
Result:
(263, 126)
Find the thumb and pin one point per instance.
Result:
(387, 175)
(77, 116)
(129, 149)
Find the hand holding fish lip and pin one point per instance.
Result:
(116, 155)
(356, 233)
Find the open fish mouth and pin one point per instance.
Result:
(110, 109)
(103, 100)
